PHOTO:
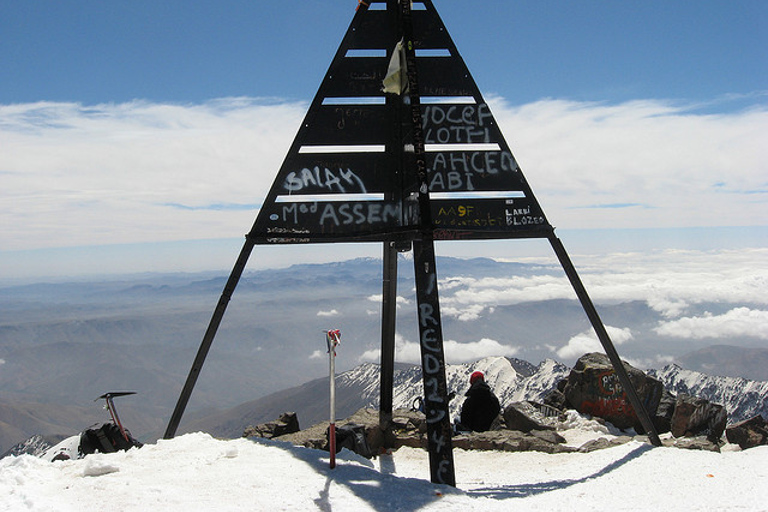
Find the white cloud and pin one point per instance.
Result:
(587, 342)
(455, 352)
(317, 354)
(399, 301)
(668, 281)
(649, 163)
(740, 321)
(137, 172)
(330, 313)
(464, 314)
(76, 174)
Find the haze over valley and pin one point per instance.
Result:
(62, 344)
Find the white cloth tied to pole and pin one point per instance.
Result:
(396, 80)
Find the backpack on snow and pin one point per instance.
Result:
(352, 437)
(106, 439)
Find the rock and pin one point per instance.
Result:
(693, 443)
(408, 429)
(549, 436)
(556, 398)
(662, 420)
(601, 443)
(749, 433)
(698, 417)
(511, 441)
(312, 437)
(593, 388)
(521, 416)
(287, 423)
(369, 419)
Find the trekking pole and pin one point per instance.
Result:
(332, 338)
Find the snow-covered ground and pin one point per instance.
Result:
(198, 472)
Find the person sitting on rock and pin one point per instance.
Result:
(480, 407)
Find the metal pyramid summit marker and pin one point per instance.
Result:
(350, 174)
(399, 146)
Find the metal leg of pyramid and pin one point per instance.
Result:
(388, 322)
(439, 442)
(210, 334)
(605, 340)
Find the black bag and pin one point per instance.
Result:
(352, 437)
(106, 439)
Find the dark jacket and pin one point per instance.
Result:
(480, 407)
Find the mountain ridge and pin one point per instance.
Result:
(63, 344)
(359, 388)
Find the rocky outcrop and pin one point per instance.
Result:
(525, 417)
(409, 428)
(602, 442)
(749, 433)
(662, 420)
(744, 399)
(287, 423)
(697, 417)
(594, 388)
(512, 441)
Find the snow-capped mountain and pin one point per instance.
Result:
(35, 445)
(742, 398)
(512, 380)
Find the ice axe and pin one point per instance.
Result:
(113, 412)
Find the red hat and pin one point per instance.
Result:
(475, 376)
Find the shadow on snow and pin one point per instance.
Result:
(532, 489)
(384, 490)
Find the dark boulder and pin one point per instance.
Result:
(749, 433)
(662, 420)
(693, 443)
(287, 423)
(512, 441)
(698, 417)
(601, 443)
(523, 416)
(556, 399)
(593, 388)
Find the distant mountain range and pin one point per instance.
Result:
(62, 344)
(511, 379)
(750, 363)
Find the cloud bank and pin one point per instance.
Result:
(74, 174)
(645, 163)
(736, 322)
(668, 281)
(588, 342)
(455, 352)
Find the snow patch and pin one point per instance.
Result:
(99, 466)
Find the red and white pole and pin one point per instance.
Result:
(333, 338)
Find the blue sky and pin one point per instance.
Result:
(179, 51)
(139, 127)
